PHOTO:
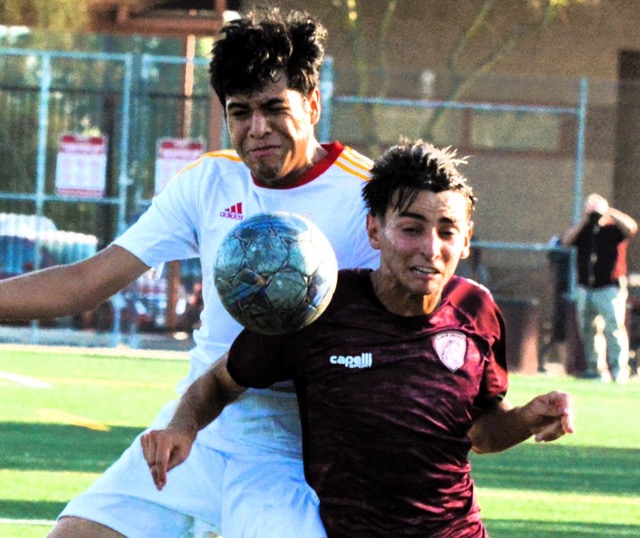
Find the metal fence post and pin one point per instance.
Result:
(578, 178)
(326, 96)
(41, 164)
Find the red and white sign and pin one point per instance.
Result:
(173, 155)
(81, 166)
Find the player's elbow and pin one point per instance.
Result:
(481, 444)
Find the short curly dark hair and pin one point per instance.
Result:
(408, 168)
(255, 48)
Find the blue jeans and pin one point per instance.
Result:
(601, 321)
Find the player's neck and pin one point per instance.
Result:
(316, 153)
(401, 302)
(302, 172)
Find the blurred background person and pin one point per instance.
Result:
(601, 239)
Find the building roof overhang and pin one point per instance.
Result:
(154, 18)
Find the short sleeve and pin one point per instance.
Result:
(166, 230)
(257, 361)
(495, 379)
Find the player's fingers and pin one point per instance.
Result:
(148, 447)
(552, 431)
(567, 423)
(175, 458)
(557, 404)
(159, 478)
(549, 433)
(161, 457)
(563, 404)
(156, 448)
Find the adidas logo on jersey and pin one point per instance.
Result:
(234, 212)
(365, 360)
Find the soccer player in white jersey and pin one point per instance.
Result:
(245, 476)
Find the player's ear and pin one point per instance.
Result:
(314, 105)
(466, 249)
(374, 229)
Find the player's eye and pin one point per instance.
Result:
(447, 233)
(239, 113)
(411, 230)
(276, 109)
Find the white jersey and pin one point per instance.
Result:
(190, 218)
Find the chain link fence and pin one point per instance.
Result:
(534, 148)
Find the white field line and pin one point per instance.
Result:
(5, 521)
(25, 380)
(118, 383)
(119, 351)
(49, 382)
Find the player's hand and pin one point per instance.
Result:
(165, 449)
(549, 416)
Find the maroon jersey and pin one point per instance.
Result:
(386, 404)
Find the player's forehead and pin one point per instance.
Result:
(429, 206)
(273, 90)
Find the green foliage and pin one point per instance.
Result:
(61, 15)
(484, 28)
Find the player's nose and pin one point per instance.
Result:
(431, 244)
(259, 125)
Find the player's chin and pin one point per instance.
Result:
(271, 177)
(419, 287)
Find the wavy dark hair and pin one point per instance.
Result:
(408, 168)
(255, 48)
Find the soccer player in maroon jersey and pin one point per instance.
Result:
(403, 374)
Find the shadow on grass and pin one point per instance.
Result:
(30, 509)
(56, 447)
(561, 469)
(501, 528)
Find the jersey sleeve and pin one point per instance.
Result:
(484, 316)
(257, 361)
(167, 230)
(495, 380)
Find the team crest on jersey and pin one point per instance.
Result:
(451, 347)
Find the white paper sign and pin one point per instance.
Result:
(81, 166)
(173, 155)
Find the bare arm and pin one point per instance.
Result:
(203, 401)
(69, 289)
(548, 417)
(625, 222)
(594, 204)
(599, 205)
(570, 235)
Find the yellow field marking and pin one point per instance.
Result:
(55, 415)
(555, 497)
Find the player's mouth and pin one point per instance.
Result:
(263, 151)
(425, 272)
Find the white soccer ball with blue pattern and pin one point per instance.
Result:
(275, 273)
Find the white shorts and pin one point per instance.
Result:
(230, 494)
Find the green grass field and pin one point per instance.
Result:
(55, 440)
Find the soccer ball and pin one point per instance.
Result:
(275, 273)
